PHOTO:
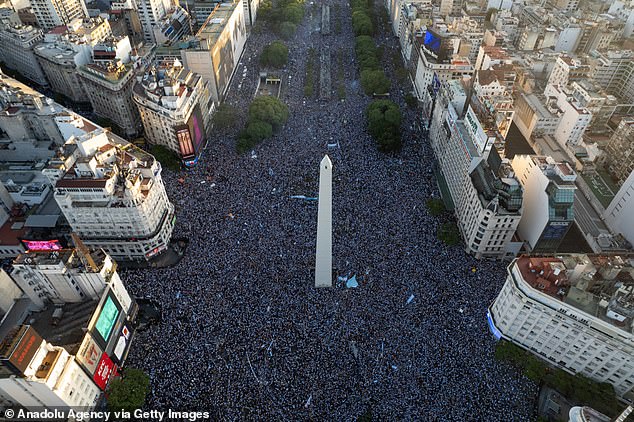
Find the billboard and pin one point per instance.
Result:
(107, 318)
(196, 127)
(105, 367)
(42, 245)
(184, 141)
(89, 354)
(25, 349)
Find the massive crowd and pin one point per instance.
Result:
(245, 335)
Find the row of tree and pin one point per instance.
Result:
(274, 55)
(373, 78)
(266, 116)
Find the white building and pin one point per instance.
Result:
(487, 198)
(620, 213)
(150, 13)
(574, 311)
(16, 51)
(574, 118)
(66, 276)
(111, 193)
(40, 375)
(549, 193)
(175, 108)
(50, 14)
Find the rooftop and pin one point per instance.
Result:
(601, 286)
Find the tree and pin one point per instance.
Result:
(258, 130)
(384, 124)
(293, 13)
(166, 157)
(274, 55)
(361, 23)
(225, 116)
(411, 100)
(374, 82)
(449, 234)
(128, 393)
(270, 110)
(287, 30)
(435, 206)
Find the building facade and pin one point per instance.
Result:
(487, 198)
(618, 154)
(16, 51)
(575, 312)
(175, 108)
(549, 193)
(620, 213)
(52, 13)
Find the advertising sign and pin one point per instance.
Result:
(42, 245)
(89, 354)
(104, 369)
(107, 318)
(480, 138)
(185, 141)
(25, 349)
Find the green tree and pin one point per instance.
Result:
(274, 55)
(293, 13)
(361, 23)
(166, 157)
(411, 100)
(258, 130)
(270, 110)
(287, 30)
(225, 116)
(384, 124)
(435, 206)
(128, 393)
(374, 82)
(449, 234)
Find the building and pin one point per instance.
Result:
(574, 311)
(112, 194)
(487, 198)
(62, 276)
(50, 14)
(16, 51)
(175, 108)
(568, 70)
(618, 154)
(549, 193)
(215, 50)
(614, 72)
(491, 87)
(574, 118)
(150, 12)
(65, 49)
(37, 374)
(619, 215)
(109, 88)
(176, 24)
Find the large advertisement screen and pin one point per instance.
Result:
(196, 128)
(103, 372)
(185, 142)
(89, 354)
(42, 245)
(25, 349)
(107, 318)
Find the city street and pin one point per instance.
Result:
(245, 335)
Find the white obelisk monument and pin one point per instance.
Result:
(323, 256)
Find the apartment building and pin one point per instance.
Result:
(50, 14)
(17, 43)
(574, 311)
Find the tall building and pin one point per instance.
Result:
(37, 374)
(573, 117)
(108, 86)
(215, 50)
(492, 90)
(619, 215)
(112, 194)
(52, 13)
(549, 193)
(150, 13)
(618, 154)
(66, 276)
(64, 50)
(614, 72)
(574, 311)
(16, 51)
(175, 107)
(487, 198)
(568, 70)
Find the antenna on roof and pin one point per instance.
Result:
(83, 253)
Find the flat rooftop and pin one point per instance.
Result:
(601, 286)
(216, 22)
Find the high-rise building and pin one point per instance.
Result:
(618, 154)
(492, 90)
(486, 196)
(614, 72)
(619, 215)
(574, 311)
(573, 117)
(567, 70)
(108, 86)
(52, 13)
(150, 13)
(549, 193)
(66, 276)
(16, 51)
(112, 194)
(175, 107)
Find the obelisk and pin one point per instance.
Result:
(323, 256)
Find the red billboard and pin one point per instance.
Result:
(103, 372)
(25, 348)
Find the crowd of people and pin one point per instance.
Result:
(245, 334)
